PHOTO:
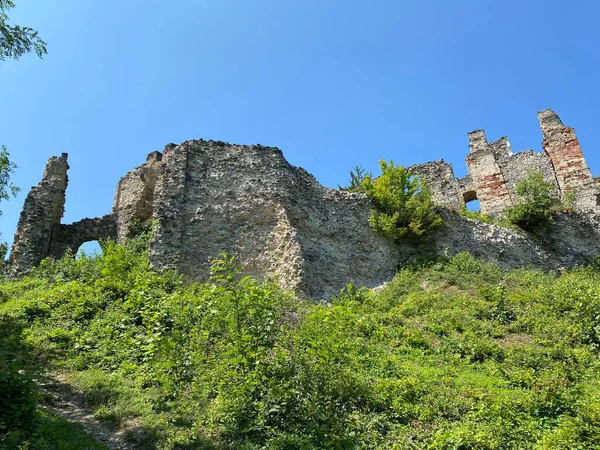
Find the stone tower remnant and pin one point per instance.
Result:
(205, 197)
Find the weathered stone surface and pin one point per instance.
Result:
(573, 239)
(134, 196)
(42, 211)
(249, 201)
(494, 170)
(446, 189)
(206, 197)
(39, 231)
(572, 172)
(488, 179)
(71, 236)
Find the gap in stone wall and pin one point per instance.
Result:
(471, 201)
(473, 205)
(90, 248)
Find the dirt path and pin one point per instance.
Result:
(60, 399)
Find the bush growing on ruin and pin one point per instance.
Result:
(403, 201)
(533, 208)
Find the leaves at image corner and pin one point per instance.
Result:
(403, 200)
(16, 40)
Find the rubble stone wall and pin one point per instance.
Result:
(250, 202)
(206, 197)
(41, 213)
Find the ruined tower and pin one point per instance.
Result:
(572, 172)
(494, 171)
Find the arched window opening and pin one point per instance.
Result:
(89, 248)
(471, 202)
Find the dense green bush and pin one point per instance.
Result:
(533, 208)
(18, 392)
(403, 201)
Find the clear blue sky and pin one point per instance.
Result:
(332, 83)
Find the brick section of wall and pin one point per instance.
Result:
(42, 211)
(572, 172)
(488, 180)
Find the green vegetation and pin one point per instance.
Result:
(357, 175)
(16, 40)
(475, 215)
(456, 354)
(403, 201)
(533, 208)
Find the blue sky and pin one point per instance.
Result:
(334, 84)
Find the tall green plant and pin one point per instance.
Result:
(535, 198)
(357, 175)
(403, 201)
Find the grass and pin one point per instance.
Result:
(456, 354)
(50, 433)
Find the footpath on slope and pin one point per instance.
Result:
(60, 399)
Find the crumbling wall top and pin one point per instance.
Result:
(549, 121)
(477, 141)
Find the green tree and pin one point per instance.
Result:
(357, 175)
(7, 189)
(535, 199)
(7, 167)
(403, 201)
(16, 40)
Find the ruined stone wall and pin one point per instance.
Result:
(516, 166)
(494, 171)
(572, 172)
(249, 201)
(71, 236)
(42, 211)
(445, 188)
(206, 197)
(134, 196)
(488, 179)
(40, 233)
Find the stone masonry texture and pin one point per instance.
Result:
(206, 197)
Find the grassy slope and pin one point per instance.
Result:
(457, 355)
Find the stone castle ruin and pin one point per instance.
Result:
(494, 170)
(205, 197)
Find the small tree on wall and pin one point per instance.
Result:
(403, 201)
(535, 199)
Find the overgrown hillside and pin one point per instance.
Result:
(456, 354)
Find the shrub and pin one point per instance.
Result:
(533, 208)
(403, 201)
(18, 391)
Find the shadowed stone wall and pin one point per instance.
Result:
(42, 211)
